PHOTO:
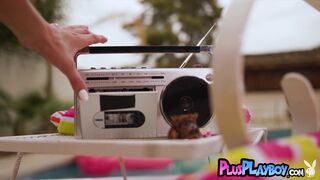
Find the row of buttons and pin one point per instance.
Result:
(143, 67)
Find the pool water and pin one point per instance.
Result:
(73, 171)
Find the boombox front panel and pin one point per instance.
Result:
(148, 86)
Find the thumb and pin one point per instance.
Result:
(78, 85)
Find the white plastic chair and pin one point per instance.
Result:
(228, 89)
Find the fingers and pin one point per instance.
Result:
(79, 86)
(88, 39)
(85, 37)
(77, 83)
(81, 29)
(77, 27)
(73, 38)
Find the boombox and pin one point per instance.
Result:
(139, 102)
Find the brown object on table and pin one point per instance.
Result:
(184, 126)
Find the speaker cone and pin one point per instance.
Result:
(186, 95)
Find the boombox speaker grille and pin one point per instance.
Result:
(186, 95)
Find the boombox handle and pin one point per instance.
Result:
(142, 49)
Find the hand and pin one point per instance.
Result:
(57, 44)
(59, 48)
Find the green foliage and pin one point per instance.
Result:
(5, 103)
(178, 22)
(34, 108)
(50, 11)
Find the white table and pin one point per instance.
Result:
(175, 149)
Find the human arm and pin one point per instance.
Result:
(57, 44)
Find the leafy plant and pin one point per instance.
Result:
(50, 11)
(5, 104)
(177, 22)
(16, 113)
(32, 108)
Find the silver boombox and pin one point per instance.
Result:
(139, 102)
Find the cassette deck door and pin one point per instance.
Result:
(119, 115)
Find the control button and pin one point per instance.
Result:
(93, 68)
(103, 68)
(113, 68)
(144, 67)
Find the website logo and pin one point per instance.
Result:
(248, 167)
(311, 169)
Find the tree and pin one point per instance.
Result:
(15, 113)
(178, 22)
(51, 12)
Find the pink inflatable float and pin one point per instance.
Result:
(102, 166)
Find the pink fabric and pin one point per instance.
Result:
(100, 166)
(214, 176)
(247, 114)
(283, 152)
(57, 116)
(69, 112)
(138, 163)
(96, 166)
(316, 138)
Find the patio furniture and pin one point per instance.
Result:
(227, 94)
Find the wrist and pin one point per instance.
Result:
(41, 39)
(46, 43)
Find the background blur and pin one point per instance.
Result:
(281, 36)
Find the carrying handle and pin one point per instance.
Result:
(227, 91)
(145, 49)
(142, 49)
